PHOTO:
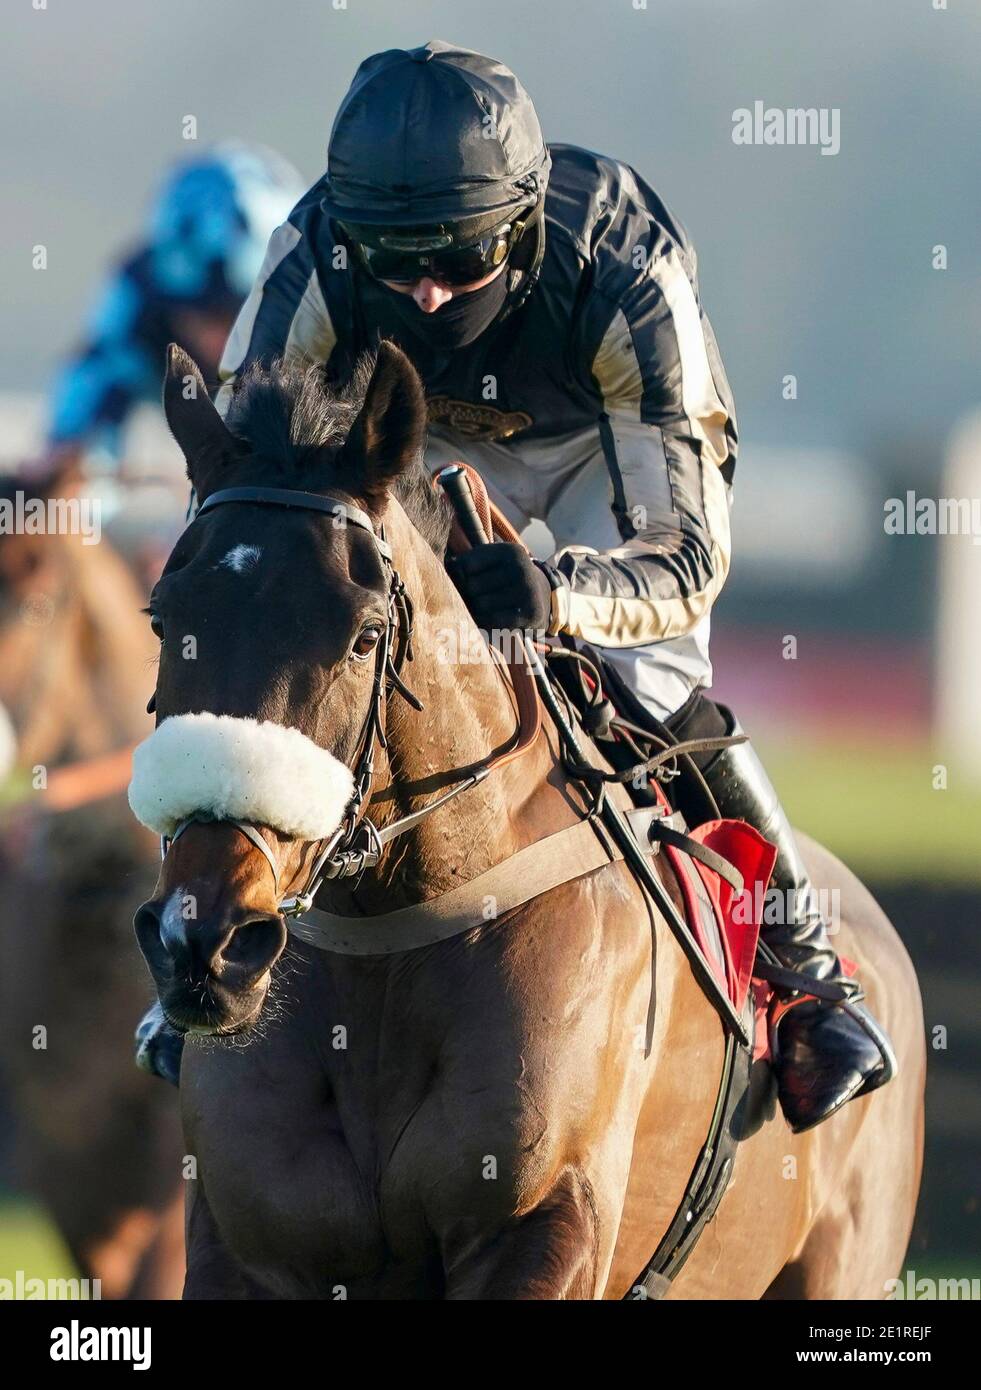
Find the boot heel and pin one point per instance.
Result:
(890, 1063)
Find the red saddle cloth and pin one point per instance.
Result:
(724, 921)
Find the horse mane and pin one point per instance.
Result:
(286, 413)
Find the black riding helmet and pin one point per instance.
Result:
(436, 152)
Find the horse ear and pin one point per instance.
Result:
(390, 432)
(194, 422)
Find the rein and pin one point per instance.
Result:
(358, 843)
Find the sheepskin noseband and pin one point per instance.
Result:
(238, 769)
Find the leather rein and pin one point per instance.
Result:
(358, 843)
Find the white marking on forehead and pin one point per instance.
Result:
(241, 558)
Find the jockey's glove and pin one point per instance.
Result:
(505, 588)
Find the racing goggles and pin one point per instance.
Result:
(405, 257)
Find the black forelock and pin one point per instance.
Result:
(286, 414)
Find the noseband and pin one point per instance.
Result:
(357, 844)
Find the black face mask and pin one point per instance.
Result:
(454, 325)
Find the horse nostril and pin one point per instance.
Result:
(147, 926)
(253, 946)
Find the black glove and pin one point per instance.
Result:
(504, 587)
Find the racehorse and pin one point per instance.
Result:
(97, 1141)
(509, 1111)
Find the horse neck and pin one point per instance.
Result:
(94, 699)
(468, 713)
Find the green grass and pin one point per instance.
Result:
(29, 1242)
(14, 789)
(876, 808)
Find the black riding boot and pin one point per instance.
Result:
(829, 1050)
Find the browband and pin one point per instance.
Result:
(303, 501)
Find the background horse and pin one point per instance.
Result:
(477, 1118)
(97, 1141)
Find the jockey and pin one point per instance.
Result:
(207, 231)
(204, 242)
(549, 300)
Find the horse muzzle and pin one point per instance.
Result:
(212, 975)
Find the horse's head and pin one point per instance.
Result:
(275, 623)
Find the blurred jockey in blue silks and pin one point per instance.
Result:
(205, 238)
(204, 243)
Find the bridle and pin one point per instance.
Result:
(358, 843)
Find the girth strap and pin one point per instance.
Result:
(560, 858)
(709, 1178)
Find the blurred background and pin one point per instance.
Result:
(845, 292)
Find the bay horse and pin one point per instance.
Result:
(97, 1142)
(477, 1116)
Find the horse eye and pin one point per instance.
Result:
(366, 642)
(156, 626)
